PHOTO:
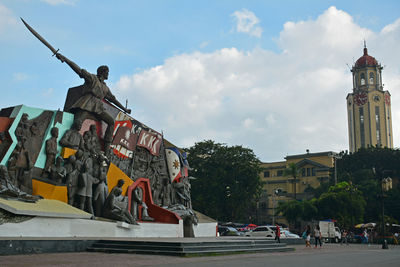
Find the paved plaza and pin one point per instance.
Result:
(328, 255)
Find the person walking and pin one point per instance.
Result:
(344, 238)
(317, 236)
(278, 233)
(308, 236)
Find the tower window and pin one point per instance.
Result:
(362, 79)
(371, 78)
(378, 127)
(362, 132)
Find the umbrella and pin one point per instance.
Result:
(361, 225)
(369, 225)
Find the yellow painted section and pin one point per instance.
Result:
(43, 207)
(67, 152)
(50, 191)
(113, 175)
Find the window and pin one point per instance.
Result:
(362, 79)
(303, 172)
(308, 171)
(371, 78)
(378, 126)
(279, 173)
(266, 174)
(312, 171)
(362, 131)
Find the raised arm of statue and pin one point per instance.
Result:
(111, 98)
(70, 63)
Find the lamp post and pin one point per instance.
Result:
(274, 194)
(386, 185)
(335, 157)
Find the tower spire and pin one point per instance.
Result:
(365, 48)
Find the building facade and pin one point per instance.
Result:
(368, 106)
(313, 169)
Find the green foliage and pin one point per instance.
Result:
(357, 196)
(295, 210)
(343, 202)
(292, 171)
(227, 183)
(358, 168)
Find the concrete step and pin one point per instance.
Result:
(190, 253)
(188, 248)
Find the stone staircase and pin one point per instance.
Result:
(190, 246)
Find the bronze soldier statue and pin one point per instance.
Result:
(89, 100)
(93, 92)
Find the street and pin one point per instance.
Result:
(328, 255)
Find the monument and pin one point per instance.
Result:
(99, 161)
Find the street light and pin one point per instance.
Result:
(335, 157)
(386, 185)
(274, 194)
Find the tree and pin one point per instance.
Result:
(343, 202)
(295, 210)
(227, 180)
(357, 168)
(293, 171)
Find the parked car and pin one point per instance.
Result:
(262, 231)
(228, 231)
(288, 234)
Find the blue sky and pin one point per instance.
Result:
(268, 75)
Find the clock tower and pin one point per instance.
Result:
(368, 106)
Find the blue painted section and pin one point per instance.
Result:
(17, 113)
(66, 124)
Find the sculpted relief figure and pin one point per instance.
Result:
(137, 203)
(85, 188)
(8, 189)
(72, 138)
(112, 207)
(73, 169)
(101, 191)
(58, 173)
(51, 149)
(93, 92)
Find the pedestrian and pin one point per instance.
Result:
(344, 238)
(278, 233)
(317, 236)
(365, 236)
(308, 236)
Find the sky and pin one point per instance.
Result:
(271, 76)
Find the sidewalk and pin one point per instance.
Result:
(328, 254)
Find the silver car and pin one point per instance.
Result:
(262, 231)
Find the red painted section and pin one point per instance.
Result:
(5, 123)
(86, 125)
(159, 214)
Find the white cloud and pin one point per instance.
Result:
(276, 104)
(20, 76)
(7, 19)
(48, 92)
(60, 2)
(247, 22)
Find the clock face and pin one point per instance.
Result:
(387, 99)
(360, 98)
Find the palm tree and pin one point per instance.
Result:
(293, 171)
